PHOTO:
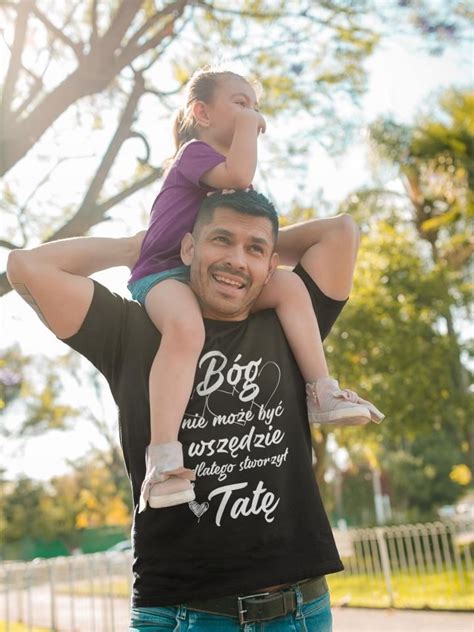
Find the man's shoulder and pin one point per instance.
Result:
(108, 299)
(116, 335)
(112, 313)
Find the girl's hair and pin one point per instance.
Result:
(201, 87)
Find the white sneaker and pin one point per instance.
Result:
(167, 482)
(328, 404)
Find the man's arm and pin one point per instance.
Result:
(52, 278)
(327, 250)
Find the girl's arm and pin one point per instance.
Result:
(238, 170)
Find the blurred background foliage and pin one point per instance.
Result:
(99, 67)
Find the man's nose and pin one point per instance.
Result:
(236, 258)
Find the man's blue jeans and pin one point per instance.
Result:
(314, 616)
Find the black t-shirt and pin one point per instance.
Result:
(258, 519)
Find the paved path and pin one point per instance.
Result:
(78, 614)
(368, 620)
(101, 615)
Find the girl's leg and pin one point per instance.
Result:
(327, 403)
(287, 294)
(175, 312)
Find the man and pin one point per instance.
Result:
(256, 543)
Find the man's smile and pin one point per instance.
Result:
(229, 280)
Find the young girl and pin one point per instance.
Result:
(216, 140)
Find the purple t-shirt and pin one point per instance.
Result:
(175, 208)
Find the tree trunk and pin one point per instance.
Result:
(319, 440)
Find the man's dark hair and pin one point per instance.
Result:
(242, 201)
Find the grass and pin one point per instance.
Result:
(440, 591)
(116, 588)
(19, 627)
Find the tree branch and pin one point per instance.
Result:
(143, 138)
(93, 74)
(159, 52)
(133, 188)
(130, 53)
(275, 15)
(8, 245)
(58, 33)
(211, 7)
(161, 94)
(14, 66)
(121, 22)
(18, 138)
(34, 91)
(178, 6)
(42, 182)
(94, 35)
(89, 212)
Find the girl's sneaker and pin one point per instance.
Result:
(167, 482)
(328, 404)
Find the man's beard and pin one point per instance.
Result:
(218, 305)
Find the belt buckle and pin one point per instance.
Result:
(240, 606)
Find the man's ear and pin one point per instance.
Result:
(187, 249)
(272, 266)
(200, 113)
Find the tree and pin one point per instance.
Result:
(438, 22)
(390, 340)
(99, 57)
(389, 344)
(435, 161)
(23, 513)
(83, 75)
(102, 494)
(12, 363)
(60, 508)
(421, 480)
(33, 386)
(78, 65)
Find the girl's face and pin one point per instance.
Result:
(230, 96)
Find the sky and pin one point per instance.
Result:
(401, 80)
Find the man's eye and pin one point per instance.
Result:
(258, 249)
(242, 103)
(221, 239)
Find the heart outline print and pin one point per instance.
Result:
(198, 509)
(266, 367)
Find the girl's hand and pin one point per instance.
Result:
(247, 114)
(262, 124)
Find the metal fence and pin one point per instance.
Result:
(416, 565)
(80, 593)
(422, 565)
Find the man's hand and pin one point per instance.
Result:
(326, 248)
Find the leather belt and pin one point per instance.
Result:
(262, 606)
